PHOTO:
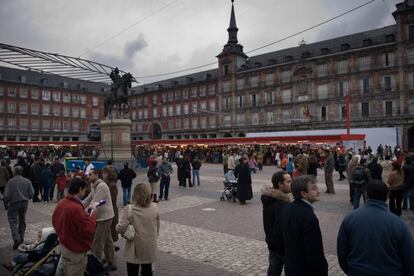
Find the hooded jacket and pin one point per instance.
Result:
(274, 202)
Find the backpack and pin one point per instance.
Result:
(358, 176)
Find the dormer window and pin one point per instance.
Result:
(159, 87)
(208, 76)
(257, 64)
(367, 42)
(65, 85)
(244, 67)
(390, 38)
(345, 46)
(288, 58)
(43, 81)
(272, 61)
(324, 51)
(226, 69)
(174, 83)
(190, 80)
(22, 79)
(145, 89)
(306, 54)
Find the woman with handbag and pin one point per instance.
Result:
(139, 225)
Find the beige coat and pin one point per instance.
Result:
(146, 221)
(396, 181)
(100, 191)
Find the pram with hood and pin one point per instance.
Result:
(230, 187)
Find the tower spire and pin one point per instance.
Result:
(232, 30)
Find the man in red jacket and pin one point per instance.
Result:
(75, 228)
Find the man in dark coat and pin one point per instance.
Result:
(375, 169)
(408, 190)
(35, 174)
(187, 171)
(373, 241)
(126, 175)
(244, 181)
(274, 200)
(304, 254)
(181, 171)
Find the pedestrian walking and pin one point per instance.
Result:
(47, 181)
(61, 180)
(126, 175)
(56, 168)
(109, 177)
(142, 251)
(35, 175)
(164, 171)
(275, 198)
(328, 169)
(302, 236)
(153, 179)
(102, 241)
(187, 171)
(244, 181)
(196, 165)
(4, 177)
(351, 166)
(18, 192)
(359, 180)
(408, 189)
(372, 241)
(75, 228)
(396, 184)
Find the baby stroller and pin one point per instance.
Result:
(230, 187)
(39, 258)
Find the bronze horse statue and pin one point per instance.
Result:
(117, 99)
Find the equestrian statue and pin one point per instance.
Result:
(117, 99)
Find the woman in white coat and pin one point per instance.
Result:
(142, 251)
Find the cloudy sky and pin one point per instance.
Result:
(152, 37)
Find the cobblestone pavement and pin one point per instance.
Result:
(201, 235)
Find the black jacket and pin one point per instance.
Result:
(408, 170)
(196, 164)
(35, 173)
(375, 169)
(244, 182)
(301, 233)
(274, 203)
(126, 175)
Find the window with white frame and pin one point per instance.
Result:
(56, 124)
(364, 63)
(45, 95)
(46, 124)
(342, 66)
(23, 123)
(66, 97)
(388, 83)
(23, 92)
(185, 109)
(11, 92)
(225, 86)
(95, 114)
(286, 95)
(145, 100)
(227, 120)
(388, 59)
(34, 93)
(35, 124)
(95, 101)
(240, 83)
(186, 123)
(254, 81)
(34, 109)
(270, 117)
(203, 122)
(178, 110)
(75, 112)
(178, 123)
(388, 108)
(66, 111)
(140, 114)
(11, 123)
(410, 56)
(286, 74)
(203, 106)
(286, 116)
(66, 125)
(322, 70)
(56, 110)
(1, 122)
(75, 125)
(202, 90)
(212, 121)
(134, 115)
(83, 113)
(211, 89)
(177, 94)
(193, 92)
(185, 94)
(154, 113)
(269, 79)
(76, 98)
(170, 110)
(23, 108)
(194, 123)
(212, 105)
(45, 109)
(411, 107)
(240, 119)
(2, 89)
(164, 97)
(255, 119)
(269, 97)
(11, 107)
(56, 96)
(194, 108)
(226, 104)
(164, 111)
(145, 113)
(365, 85)
(83, 99)
(342, 88)
(154, 99)
(322, 91)
(1, 107)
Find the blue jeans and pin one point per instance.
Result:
(164, 186)
(275, 264)
(196, 173)
(126, 195)
(357, 197)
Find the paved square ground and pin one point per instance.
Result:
(201, 235)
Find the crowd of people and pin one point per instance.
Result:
(87, 218)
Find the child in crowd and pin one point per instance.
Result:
(61, 180)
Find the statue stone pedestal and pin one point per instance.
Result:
(116, 140)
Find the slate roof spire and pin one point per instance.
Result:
(232, 30)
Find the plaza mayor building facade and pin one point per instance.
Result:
(294, 89)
